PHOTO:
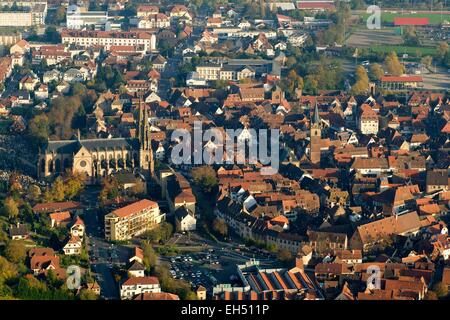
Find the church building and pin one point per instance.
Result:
(97, 158)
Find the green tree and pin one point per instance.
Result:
(39, 129)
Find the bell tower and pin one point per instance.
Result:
(315, 136)
(146, 161)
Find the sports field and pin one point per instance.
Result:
(403, 49)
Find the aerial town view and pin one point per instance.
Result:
(224, 150)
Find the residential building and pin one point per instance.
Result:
(106, 39)
(132, 220)
(138, 285)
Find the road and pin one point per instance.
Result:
(100, 250)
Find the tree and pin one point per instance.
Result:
(150, 257)
(442, 49)
(15, 251)
(39, 129)
(205, 177)
(8, 270)
(284, 256)
(73, 184)
(52, 35)
(410, 37)
(110, 189)
(58, 189)
(376, 71)
(393, 65)
(34, 192)
(10, 208)
(362, 81)
(86, 294)
(427, 61)
(220, 226)
(441, 290)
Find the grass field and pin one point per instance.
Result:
(403, 49)
(433, 18)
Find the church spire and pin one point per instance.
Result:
(316, 117)
(145, 149)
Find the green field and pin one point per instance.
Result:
(403, 49)
(433, 18)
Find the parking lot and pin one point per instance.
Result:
(197, 268)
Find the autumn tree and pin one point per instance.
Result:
(376, 71)
(442, 49)
(73, 184)
(150, 257)
(393, 65)
(10, 208)
(220, 226)
(362, 81)
(15, 251)
(34, 192)
(205, 177)
(8, 270)
(58, 189)
(427, 61)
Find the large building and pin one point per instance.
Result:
(107, 39)
(368, 120)
(132, 220)
(211, 71)
(31, 13)
(398, 83)
(97, 158)
(78, 17)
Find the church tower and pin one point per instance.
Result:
(146, 161)
(315, 137)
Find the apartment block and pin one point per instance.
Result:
(132, 220)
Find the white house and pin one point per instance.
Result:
(137, 285)
(74, 246)
(185, 219)
(137, 269)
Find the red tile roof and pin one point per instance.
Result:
(135, 208)
(404, 78)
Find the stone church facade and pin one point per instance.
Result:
(98, 158)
